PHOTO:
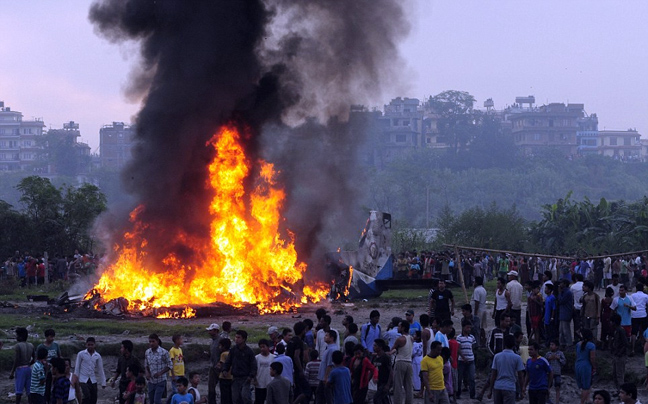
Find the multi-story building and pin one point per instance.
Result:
(402, 123)
(68, 136)
(550, 126)
(115, 144)
(19, 140)
(622, 145)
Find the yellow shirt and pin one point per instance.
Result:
(434, 367)
(225, 375)
(177, 359)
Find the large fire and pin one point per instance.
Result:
(247, 260)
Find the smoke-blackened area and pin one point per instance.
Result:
(257, 64)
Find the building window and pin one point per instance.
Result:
(613, 141)
(627, 141)
(401, 138)
(394, 122)
(536, 136)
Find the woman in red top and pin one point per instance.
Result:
(362, 370)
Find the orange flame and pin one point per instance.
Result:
(246, 261)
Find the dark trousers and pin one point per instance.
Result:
(576, 317)
(123, 385)
(381, 396)
(517, 315)
(48, 386)
(538, 396)
(503, 396)
(360, 396)
(35, 398)
(323, 395)
(89, 391)
(226, 391)
(241, 393)
(260, 395)
(211, 386)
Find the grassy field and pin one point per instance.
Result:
(413, 294)
(10, 290)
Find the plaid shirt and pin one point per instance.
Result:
(60, 390)
(156, 361)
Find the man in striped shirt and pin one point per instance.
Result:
(466, 363)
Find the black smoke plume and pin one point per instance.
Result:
(291, 66)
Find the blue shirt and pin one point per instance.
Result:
(566, 304)
(327, 360)
(624, 312)
(309, 339)
(182, 398)
(443, 339)
(538, 371)
(550, 306)
(508, 364)
(340, 376)
(287, 363)
(414, 327)
(368, 334)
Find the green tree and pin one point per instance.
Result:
(457, 118)
(81, 206)
(487, 228)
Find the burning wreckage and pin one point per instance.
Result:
(352, 275)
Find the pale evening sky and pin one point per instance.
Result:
(592, 52)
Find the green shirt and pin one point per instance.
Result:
(53, 351)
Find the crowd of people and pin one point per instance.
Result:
(446, 265)
(314, 362)
(429, 356)
(32, 270)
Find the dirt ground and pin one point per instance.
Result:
(359, 310)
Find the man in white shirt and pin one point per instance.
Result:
(639, 316)
(88, 365)
(320, 344)
(479, 301)
(546, 278)
(516, 290)
(577, 291)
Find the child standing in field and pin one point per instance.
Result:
(339, 380)
(22, 361)
(132, 373)
(312, 370)
(263, 378)
(140, 392)
(417, 356)
(194, 380)
(53, 351)
(177, 360)
(535, 304)
(225, 378)
(60, 383)
(37, 385)
(557, 360)
(182, 396)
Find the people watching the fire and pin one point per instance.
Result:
(157, 364)
(126, 360)
(396, 364)
(241, 362)
(89, 371)
(214, 359)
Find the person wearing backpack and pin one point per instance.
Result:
(371, 331)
